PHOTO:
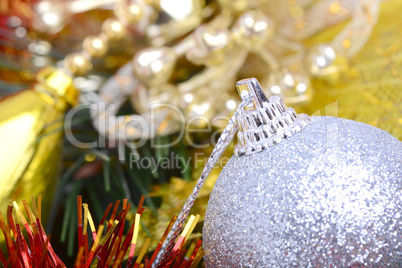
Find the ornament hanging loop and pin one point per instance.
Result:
(266, 121)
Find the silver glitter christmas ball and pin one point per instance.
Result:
(328, 196)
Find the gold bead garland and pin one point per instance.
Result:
(235, 30)
(112, 30)
(78, 63)
(95, 46)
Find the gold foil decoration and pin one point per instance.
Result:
(31, 124)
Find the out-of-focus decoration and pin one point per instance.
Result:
(220, 47)
(53, 16)
(291, 197)
(30, 134)
(109, 242)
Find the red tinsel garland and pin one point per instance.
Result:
(108, 248)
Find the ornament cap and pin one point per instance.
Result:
(264, 122)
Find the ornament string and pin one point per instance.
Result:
(226, 137)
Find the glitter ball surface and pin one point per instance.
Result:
(329, 196)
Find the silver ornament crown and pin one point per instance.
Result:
(263, 122)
